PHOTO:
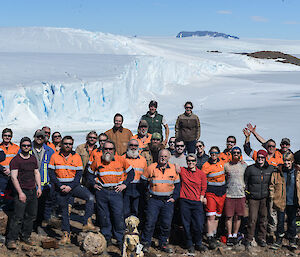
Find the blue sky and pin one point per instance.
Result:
(243, 18)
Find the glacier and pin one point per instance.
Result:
(75, 80)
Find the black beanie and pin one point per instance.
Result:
(25, 139)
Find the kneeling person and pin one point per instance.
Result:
(65, 171)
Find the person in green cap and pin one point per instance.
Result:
(150, 152)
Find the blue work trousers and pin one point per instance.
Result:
(290, 211)
(192, 216)
(64, 199)
(162, 210)
(110, 213)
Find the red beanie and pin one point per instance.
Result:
(262, 152)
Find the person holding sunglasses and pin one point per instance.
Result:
(65, 171)
(187, 128)
(257, 180)
(192, 197)
(235, 201)
(26, 179)
(215, 193)
(133, 192)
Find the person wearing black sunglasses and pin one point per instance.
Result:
(26, 179)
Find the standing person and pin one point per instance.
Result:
(107, 177)
(10, 150)
(202, 157)
(285, 192)
(171, 144)
(215, 193)
(179, 156)
(150, 152)
(226, 156)
(187, 128)
(156, 121)
(48, 133)
(27, 182)
(65, 171)
(192, 197)
(56, 140)
(97, 152)
(119, 135)
(133, 192)
(143, 137)
(85, 149)
(164, 189)
(43, 154)
(257, 180)
(235, 194)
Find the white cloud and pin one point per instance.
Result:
(291, 22)
(259, 19)
(224, 12)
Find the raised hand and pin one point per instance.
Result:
(246, 132)
(251, 128)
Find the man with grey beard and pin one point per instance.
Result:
(133, 191)
(109, 175)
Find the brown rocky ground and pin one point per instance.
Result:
(278, 56)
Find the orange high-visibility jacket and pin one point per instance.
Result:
(11, 151)
(51, 145)
(215, 173)
(275, 160)
(110, 174)
(139, 165)
(161, 183)
(65, 168)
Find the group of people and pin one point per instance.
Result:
(158, 179)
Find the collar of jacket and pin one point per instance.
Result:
(187, 114)
(86, 146)
(159, 167)
(210, 161)
(72, 152)
(10, 143)
(116, 129)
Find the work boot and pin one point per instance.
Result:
(261, 243)
(293, 244)
(27, 241)
(201, 248)
(166, 248)
(11, 245)
(247, 244)
(277, 243)
(90, 226)
(65, 239)
(212, 244)
(191, 250)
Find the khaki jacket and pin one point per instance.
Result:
(147, 154)
(120, 137)
(278, 189)
(84, 154)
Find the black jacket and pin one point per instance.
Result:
(2, 158)
(257, 180)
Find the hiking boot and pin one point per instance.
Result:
(191, 250)
(201, 248)
(261, 243)
(165, 248)
(277, 243)
(90, 226)
(212, 244)
(230, 241)
(11, 245)
(247, 244)
(27, 241)
(293, 244)
(65, 239)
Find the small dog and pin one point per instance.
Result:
(131, 243)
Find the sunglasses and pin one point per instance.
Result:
(93, 137)
(26, 145)
(236, 152)
(171, 142)
(48, 133)
(68, 143)
(5, 135)
(260, 157)
(133, 145)
(230, 142)
(199, 146)
(214, 153)
(271, 146)
(179, 146)
(188, 108)
(109, 148)
(191, 160)
(56, 136)
(40, 137)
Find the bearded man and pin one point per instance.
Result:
(107, 175)
(150, 152)
(133, 191)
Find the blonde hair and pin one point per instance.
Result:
(288, 157)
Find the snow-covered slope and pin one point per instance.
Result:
(75, 80)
